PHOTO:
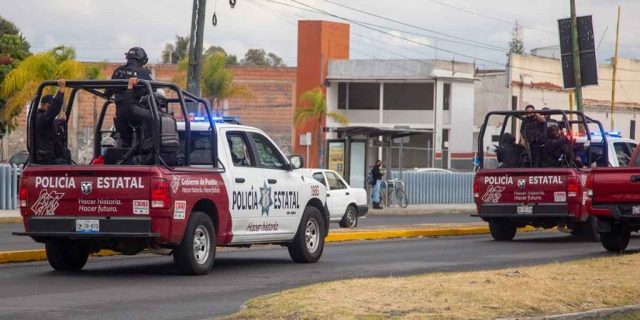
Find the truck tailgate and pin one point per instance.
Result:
(97, 191)
(616, 185)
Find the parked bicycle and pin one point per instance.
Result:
(393, 193)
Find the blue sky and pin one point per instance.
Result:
(104, 30)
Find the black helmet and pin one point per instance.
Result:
(138, 54)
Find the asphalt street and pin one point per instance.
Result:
(148, 286)
(10, 242)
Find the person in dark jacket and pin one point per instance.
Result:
(532, 135)
(556, 152)
(140, 114)
(136, 59)
(376, 173)
(45, 128)
(509, 152)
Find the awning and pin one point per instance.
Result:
(376, 132)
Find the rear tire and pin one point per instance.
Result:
(616, 240)
(402, 198)
(66, 255)
(502, 230)
(196, 253)
(350, 218)
(308, 244)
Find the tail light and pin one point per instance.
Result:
(590, 186)
(572, 187)
(160, 195)
(476, 188)
(23, 193)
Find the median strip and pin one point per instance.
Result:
(38, 255)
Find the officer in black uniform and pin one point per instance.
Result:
(45, 128)
(136, 59)
(532, 135)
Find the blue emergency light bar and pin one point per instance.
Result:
(613, 134)
(224, 119)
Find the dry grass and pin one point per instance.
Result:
(528, 291)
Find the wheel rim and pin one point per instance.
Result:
(311, 235)
(201, 244)
(351, 218)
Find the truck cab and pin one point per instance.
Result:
(231, 185)
(509, 197)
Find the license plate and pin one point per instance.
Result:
(88, 226)
(635, 210)
(525, 210)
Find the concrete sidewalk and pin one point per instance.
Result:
(422, 209)
(10, 216)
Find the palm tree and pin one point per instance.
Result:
(20, 84)
(315, 110)
(216, 81)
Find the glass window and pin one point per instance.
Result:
(240, 155)
(335, 183)
(446, 96)
(200, 148)
(364, 96)
(622, 153)
(267, 155)
(342, 95)
(320, 177)
(408, 96)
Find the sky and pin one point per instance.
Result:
(465, 30)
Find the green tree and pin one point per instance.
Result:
(20, 84)
(313, 109)
(259, 57)
(232, 59)
(174, 53)
(516, 45)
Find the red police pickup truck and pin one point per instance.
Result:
(508, 198)
(230, 186)
(613, 196)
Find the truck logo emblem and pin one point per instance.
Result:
(175, 184)
(86, 187)
(265, 199)
(47, 203)
(493, 194)
(522, 183)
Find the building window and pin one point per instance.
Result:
(364, 96)
(408, 96)
(446, 96)
(632, 129)
(514, 102)
(342, 95)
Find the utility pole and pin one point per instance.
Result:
(195, 46)
(576, 56)
(615, 67)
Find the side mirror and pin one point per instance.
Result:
(296, 161)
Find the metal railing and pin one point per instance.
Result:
(9, 179)
(437, 187)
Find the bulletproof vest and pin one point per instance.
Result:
(130, 71)
(169, 139)
(533, 130)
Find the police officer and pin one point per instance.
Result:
(136, 59)
(532, 134)
(45, 129)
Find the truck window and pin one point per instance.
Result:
(200, 148)
(334, 182)
(320, 178)
(267, 155)
(622, 153)
(240, 155)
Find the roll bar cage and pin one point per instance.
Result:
(567, 119)
(94, 87)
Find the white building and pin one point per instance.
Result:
(432, 100)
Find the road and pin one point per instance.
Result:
(10, 242)
(148, 286)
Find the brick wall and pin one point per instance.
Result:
(270, 108)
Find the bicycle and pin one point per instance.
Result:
(395, 193)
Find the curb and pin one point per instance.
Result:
(591, 314)
(39, 254)
(10, 219)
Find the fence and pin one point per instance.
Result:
(9, 178)
(437, 187)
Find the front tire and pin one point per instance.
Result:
(617, 240)
(502, 230)
(66, 255)
(350, 218)
(402, 198)
(196, 253)
(308, 244)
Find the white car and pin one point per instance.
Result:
(345, 204)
